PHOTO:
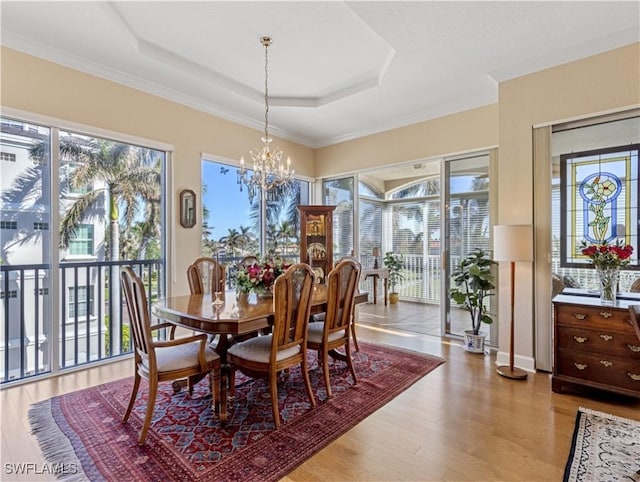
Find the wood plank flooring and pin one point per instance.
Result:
(462, 422)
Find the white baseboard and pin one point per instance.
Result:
(523, 362)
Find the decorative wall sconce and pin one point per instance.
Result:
(187, 208)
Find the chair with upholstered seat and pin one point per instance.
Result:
(635, 286)
(206, 276)
(334, 332)
(321, 316)
(268, 355)
(162, 361)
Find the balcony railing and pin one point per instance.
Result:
(92, 322)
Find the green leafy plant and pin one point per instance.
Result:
(473, 281)
(395, 264)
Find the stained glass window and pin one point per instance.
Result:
(599, 200)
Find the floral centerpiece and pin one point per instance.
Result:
(607, 259)
(259, 277)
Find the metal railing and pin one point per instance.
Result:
(92, 322)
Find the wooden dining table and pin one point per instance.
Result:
(240, 314)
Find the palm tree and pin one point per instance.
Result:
(127, 182)
(232, 241)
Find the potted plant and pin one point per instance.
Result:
(395, 264)
(473, 281)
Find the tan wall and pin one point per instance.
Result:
(596, 84)
(462, 132)
(41, 87)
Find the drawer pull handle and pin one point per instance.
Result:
(580, 339)
(606, 314)
(606, 337)
(634, 348)
(606, 363)
(579, 316)
(582, 366)
(634, 377)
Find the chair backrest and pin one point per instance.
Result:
(358, 265)
(292, 294)
(248, 261)
(635, 286)
(342, 285)
(206, 275)
(136, 301)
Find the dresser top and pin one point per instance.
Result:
(586, 298)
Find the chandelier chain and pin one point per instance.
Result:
(266, 90)
(269, 176)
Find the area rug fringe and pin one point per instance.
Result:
(56, 447)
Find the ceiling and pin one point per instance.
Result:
(337, 70)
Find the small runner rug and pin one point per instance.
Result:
(81, 433)
(604, 448)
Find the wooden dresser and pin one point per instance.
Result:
(595, 345)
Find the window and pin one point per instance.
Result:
(71, 187)
(8, 225)
(7, 156)
(82, 242)
(40, 226)
(9, 294)
(79, 307)
(599, 201)
(339, 192)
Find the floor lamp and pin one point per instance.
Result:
(512, 243)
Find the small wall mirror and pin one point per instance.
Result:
(187, 208)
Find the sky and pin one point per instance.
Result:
(228, 207)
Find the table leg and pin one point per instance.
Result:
(375, 289)
(386, 290)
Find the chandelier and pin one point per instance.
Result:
(269, 173)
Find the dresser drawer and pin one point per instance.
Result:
(598, 341)
(604, 369)
(598, 318)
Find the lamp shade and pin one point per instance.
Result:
(376, 252)
(513, 242)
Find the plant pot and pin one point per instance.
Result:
(474, 343)
(393, 298)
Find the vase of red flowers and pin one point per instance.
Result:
(259, 277)
(607, 260)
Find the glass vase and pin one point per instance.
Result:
(608, 284)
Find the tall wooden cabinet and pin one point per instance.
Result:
(595, 345)
(316, 238)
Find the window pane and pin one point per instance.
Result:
(339, 192)
(82, 242)
(24, 208)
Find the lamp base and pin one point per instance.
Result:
(513, 373)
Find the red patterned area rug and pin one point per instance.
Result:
(81, 432)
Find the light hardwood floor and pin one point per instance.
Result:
(462, 422)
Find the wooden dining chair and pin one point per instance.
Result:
(266, 356)
(162, 361)
(248, 261)
(321, 316)
(334, 331)
(207, 276)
